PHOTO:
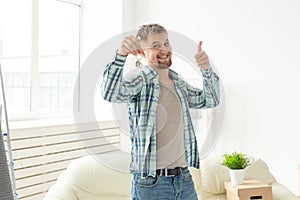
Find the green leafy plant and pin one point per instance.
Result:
(235, 160)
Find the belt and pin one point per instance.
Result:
(170, 172)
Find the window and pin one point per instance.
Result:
(40, 55)
(58, 52)
(15, 52)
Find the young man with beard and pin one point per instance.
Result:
(162, 136)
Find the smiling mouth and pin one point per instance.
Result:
(164, 60)
(162, 57)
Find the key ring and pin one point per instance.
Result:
(138, 63)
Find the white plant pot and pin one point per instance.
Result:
(237, 176)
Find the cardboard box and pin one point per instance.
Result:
(250, 190)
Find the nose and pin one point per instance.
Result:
(165, 49)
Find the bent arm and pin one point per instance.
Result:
(116, 89)
(209, 97)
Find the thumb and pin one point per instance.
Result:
(200, 46)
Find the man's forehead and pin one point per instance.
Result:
(157, 37)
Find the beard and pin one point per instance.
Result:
(160, 61)
(165, 63)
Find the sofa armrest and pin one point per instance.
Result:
(280, 192)
(61, 191)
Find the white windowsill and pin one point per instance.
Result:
(34, 123)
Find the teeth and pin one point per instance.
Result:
(163, 57)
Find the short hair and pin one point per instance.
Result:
(148, 29)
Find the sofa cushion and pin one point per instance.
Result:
(86, 195)
(259, 170)
(217, 197)
(90, 175)
(60, 191)
(213, 174)
(280, 192)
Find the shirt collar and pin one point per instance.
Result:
(151, 73)
(173, 75)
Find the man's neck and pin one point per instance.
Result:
(163, 75)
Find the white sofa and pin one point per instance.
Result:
(88, 179)
(209, 180)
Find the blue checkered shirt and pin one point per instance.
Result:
(140, 91)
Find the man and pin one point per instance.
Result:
(162, 135)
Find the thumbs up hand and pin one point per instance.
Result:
(201, 57)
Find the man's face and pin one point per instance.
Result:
(157, 49)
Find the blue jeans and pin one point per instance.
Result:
(179, 187)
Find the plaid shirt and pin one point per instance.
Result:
(140, 91)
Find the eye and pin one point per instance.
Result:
(156, 46)
(167, 44)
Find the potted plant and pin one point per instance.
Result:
(236, 162)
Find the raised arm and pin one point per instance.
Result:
(209, 97)
(114, 87)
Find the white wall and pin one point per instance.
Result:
(101, 20)
(254, 45)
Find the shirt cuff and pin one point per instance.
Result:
(206, 72)
(119, 60)
(120, 57)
